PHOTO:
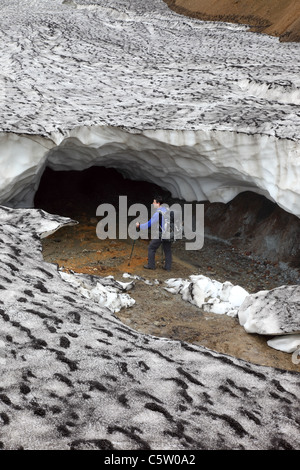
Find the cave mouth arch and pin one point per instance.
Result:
(250, 222)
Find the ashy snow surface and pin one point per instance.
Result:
(275, 312)
(207, 110)
(142, 66)
(74, 377)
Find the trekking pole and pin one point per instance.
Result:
(131, 251)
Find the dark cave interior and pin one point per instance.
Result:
(71, 193)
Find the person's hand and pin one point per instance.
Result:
(137, 224)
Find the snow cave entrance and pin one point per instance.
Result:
(77, 194)
(249, 224)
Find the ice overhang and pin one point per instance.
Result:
(193, 165)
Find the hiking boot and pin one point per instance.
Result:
(166, 269)
(148, 267)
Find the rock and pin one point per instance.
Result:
(274, 312)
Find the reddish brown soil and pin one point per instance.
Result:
(275, 17)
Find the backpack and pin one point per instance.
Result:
(172, 227)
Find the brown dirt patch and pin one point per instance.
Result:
(274, 17)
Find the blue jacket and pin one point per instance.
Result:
(154, 219)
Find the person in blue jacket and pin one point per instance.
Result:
(157, 241)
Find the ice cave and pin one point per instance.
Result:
(189, 166)
(100, 98)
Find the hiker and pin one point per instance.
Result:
(157, 241)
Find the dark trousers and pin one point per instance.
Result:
(153, 246)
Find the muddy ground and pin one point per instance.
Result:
(160, 313)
